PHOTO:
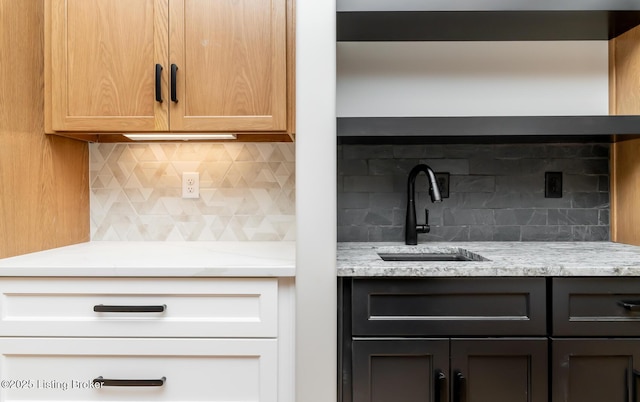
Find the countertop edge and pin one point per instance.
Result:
(283, 272)
(157, 259)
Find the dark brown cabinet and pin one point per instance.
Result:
(400, 370)
(595, 370)
(595, 340)
(448, 307)
(588, 307)
(493, 349)
(420, 370)
(499, 370)
(488, 339)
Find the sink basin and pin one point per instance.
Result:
(423, 257)
(428, 253)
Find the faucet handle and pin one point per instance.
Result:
(424, 228)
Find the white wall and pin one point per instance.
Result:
(472, 78)
(316, 349)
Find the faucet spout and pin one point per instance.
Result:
(411, 227)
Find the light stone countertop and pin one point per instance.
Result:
(503, 259)
(158, 259)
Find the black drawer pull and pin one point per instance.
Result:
(159, 83)
(633, 305)
(459, 387)
(174, 79)
(441, 387)
(105, 382)
(103, 308)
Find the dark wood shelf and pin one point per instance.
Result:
(475, 126)
(491, 25)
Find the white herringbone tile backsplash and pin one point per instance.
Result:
(247, 191)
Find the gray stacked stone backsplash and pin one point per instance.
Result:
(496, 192)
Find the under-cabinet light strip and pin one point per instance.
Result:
(180, 136)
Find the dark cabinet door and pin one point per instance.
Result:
(395, 370)
(595, 370)
(499, 370)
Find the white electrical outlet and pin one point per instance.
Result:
(190, 185)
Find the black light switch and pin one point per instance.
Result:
(553, 185)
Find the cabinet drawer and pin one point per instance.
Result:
(212, 370)
(203, 307)
(596, 306)
(449, 306)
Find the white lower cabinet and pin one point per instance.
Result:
(216, 341)
(150, 307)
(220, 370)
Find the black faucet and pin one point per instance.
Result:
(412, 228)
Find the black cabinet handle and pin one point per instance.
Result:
(174, 73)
(441, 387)
(159, 83)
(103, 308)
(459, 387)
(105, 382)
(630, 305)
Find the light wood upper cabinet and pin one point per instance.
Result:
(168, 65)
(102, 64)
(231, 58)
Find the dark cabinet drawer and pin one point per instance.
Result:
(596, 306)
(448, 306)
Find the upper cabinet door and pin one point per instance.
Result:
(102, 66)
(231, 59)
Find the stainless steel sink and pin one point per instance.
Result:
(428, 253)
(423, 257)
